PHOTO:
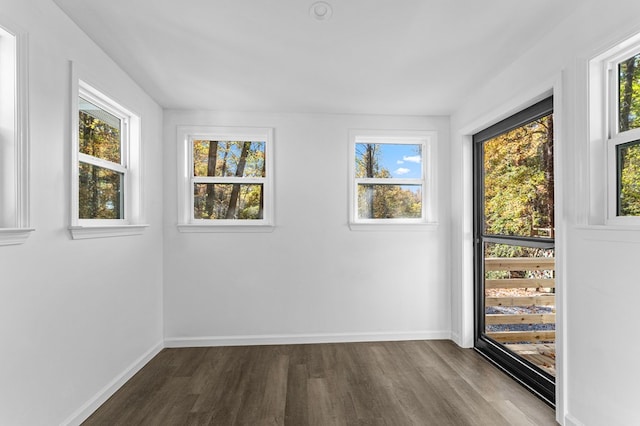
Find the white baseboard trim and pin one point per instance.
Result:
(569, 420)
(92, 404)
(456, 338)
(296, 339)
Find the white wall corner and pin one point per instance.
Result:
(456, 338)
(83, 413)
(569, 420)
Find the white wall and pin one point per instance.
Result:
(312, 279)
(74, 315)
(70, 325)
(599, 288)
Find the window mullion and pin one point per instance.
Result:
(624, 137)
(612, 128)
(228, 179)
(388, 181)
(95, 161)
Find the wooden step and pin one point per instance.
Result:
(521, 283)
(542, 300)
(522, 336)
(492, 319)
(519, 264)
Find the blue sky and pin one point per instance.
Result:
(402, 160)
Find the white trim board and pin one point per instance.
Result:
(297, 339)
(455, 338)
(88, 408)
(569, 420)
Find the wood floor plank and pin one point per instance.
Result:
(274, 398)
(323, 409)
(297, 400)
(378, 384)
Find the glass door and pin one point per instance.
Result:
(514, 247)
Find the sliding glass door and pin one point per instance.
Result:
(514, 247)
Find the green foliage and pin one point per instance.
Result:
(518, 181)
(629, 93)
(389, 201)
(248, 205)
(629, 154)
(629, 180)
(228, 155)
(99, 194)
(508, 250)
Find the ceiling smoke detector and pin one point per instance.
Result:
(321, 11)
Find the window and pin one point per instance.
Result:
(392, 178)
(106, 183)
(14, 152)
(615, 115)
(227, 177)
(624, 136)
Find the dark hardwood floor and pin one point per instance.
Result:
(382, 383)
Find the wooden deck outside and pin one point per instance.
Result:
(542, 354)
(521, 309)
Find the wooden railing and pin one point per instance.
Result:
(543, 299)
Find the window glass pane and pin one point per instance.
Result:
(518, 181)
(100, 193)
(629, 93)
(223, 158)
(389, 201)
(388, 160)
(99, 132)
(519, 299)
(227, 201)
(629, 179)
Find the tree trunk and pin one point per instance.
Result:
(92, 189)
(549, 176)
(223, 172)
(235, 192)
(369, 159)
(261, 208)
(627, 93)
(212, 160)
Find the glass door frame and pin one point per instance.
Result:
(539, 382)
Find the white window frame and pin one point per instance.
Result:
(130, 167)
(605, 134)
(428, 142)
(186, 179)
(14, 130)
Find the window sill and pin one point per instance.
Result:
(611, 233)
(13, 236)
(413, 227)
(87, 232)
(196, 228)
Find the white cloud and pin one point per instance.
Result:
(401, 171)
(399, 162)
(412, 158)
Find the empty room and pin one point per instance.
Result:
(339, 212)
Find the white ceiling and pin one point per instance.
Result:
(373, 56)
